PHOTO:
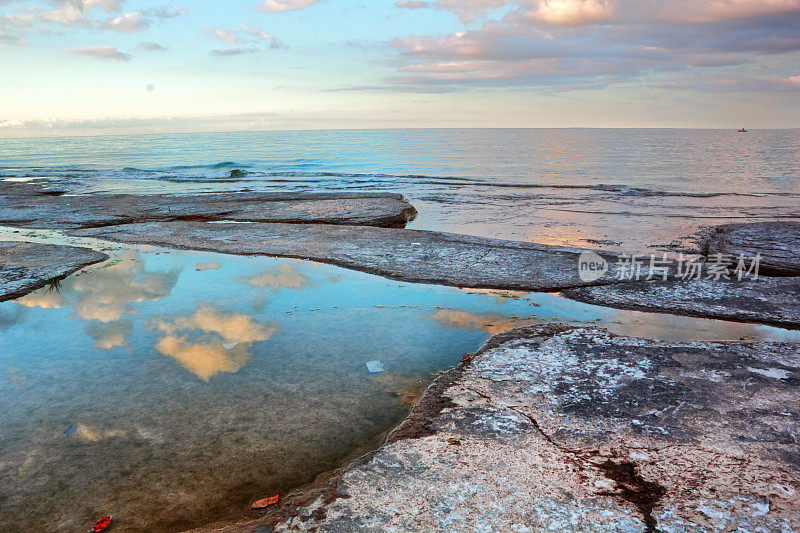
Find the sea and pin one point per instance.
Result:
(170, 389)
(618, 189)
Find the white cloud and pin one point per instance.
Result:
(274, 42)
(572, 12)
(412, 4)
(100, 52)
(127, 23)
(74, 12)
(14, 26)
(277, 6)
(246, 34)
(226, 36)
(596, 43)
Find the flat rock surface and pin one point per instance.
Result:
(567, 428)
(409, 255)
(33, 206)
(768, 300)
(27, 266)
(777, 242)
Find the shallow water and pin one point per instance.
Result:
(170, 389)
(631, 189)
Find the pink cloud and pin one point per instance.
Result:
(226, 36)
(572, 12)
(100, 52)
(456, 45)
(580, 12)
(470, 10)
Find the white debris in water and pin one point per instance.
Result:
(374, 367)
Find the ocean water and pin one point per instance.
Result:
(171, 389)
(618, 189)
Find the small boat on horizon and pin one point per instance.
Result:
(742, 130)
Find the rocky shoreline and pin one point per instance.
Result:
(547, 427)
(560, 427)
(25, 266)
(33, 205)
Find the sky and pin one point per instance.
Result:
(89, 67)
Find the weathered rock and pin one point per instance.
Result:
(777, 242)
(768, 300)
(409, 255)
(30, 205)
(27, 266)
(562, 428)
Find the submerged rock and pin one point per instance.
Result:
(774, 301)
(27, 266)
(778, 243)
(32, 206)
(408, 255)
(564, 428)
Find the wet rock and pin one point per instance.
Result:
(777, 242)
(26, 266)
(768, 300)
(409, 255)
(563, 428)
(30, 205)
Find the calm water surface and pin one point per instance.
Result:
(172, 389)
(632, 189)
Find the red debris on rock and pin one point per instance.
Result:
(266, 502)
(102, 524)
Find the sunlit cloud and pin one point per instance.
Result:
(204, 360)
(226, 36)
(244, 34)
(413, 72)
(572, 12)
(127, 23)
(232, 327)
(109, 53)
(80, 14)
(76, 12)
(223, 344)
(489, 323)
(43, 299)
(285, 276)
(584, 44)
(470, 10)
(107, 295)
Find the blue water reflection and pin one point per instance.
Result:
(196, 382)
